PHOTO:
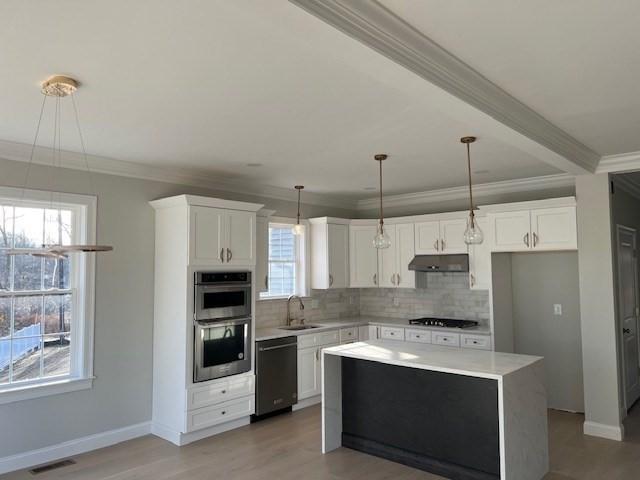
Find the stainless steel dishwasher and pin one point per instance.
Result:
(276, 375)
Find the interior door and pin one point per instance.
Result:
(452, 236)
(628, 310)
(363, 256)
(387, 260)
(338, 238)
(405, 239)
(240, 247)
(207, 235)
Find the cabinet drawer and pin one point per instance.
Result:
(418, 336)
(325, 338)
(348, 334)
(449, 339)
(392, 333)
(220, 391)
(224, 412)
(307, 340)
(481, 342)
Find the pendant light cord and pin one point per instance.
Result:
(298, 218)
(33, 149)
(471, 214)
(84, 150)
(381, 213)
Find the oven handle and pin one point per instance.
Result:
(221, 286)
(222, 323)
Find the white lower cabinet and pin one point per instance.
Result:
(417, 336)
(219, 413)
(308, 372)
(448, 339)
(392, 333)
(480, 342)
(220, 391)
(348, 335)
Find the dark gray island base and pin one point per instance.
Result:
(464, 415)
(442, 423)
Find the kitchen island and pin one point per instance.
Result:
(462, 414)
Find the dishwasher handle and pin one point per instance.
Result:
(277, 347)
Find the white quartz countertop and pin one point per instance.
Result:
(475, 363)
(324, 325)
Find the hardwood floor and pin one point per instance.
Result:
(288, 447)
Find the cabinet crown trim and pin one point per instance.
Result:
(196, 200)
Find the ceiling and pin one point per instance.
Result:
(212, 86)
(575, 62)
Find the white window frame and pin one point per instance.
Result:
(82, 277)
(303, 249)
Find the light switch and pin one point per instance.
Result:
(557, 309)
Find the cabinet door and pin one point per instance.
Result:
(511, 231)
(427, 238)
(480, 259)
(308, 372)
(207, 235)
(338, 238)
(452, 236)
(554, 229)
(405, 239)
(387, 260)
(363, 256)
(240, 247)
(262, 254)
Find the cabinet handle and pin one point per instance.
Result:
(442, 244)
(535, 239)
(472, 279)
(626, 330)
(318, 354)
(223, 391)
(266, 282)
(435, 245)
(525, 239)
(222, 255)
(393, 279)
(398, 279)
(330, 279)
(223, 412)
(229, 255)
(375, 278)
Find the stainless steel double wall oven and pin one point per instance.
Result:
(222, 331)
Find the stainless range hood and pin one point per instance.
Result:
(440, 263)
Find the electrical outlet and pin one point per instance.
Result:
(557, 309)
(396, 302)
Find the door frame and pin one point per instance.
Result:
(619, 323)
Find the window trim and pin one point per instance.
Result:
(82, 328)
(303, 249)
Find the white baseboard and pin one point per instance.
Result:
(180, 439)
(307, 402)
(611, 432)
(72, 447)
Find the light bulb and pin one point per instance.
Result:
(381, 240)
(473, 234)
(298, 229)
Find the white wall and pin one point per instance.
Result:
(121, 395)
(503, 325)
(597, 307)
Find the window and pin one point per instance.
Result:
(44, 302)
(286, 266)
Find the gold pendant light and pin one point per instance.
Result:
(298, 228)
(58, 87)
(381, 240)
(473, 234)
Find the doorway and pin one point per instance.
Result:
(628, 311)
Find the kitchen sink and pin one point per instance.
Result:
(299, 327)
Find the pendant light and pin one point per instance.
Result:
(381, 240)
(57, 87)
(473, 234)
(298, 228)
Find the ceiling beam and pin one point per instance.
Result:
(378, 28)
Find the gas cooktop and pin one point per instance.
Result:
(444, 322)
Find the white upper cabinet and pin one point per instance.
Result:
(208, 235)
(511, 231)
(241, 239)
(329, 253)
(552, 228)
(262, 250)
(440, 236)
(427, 241)
(393, 262)
(452, 236)
(363, 256)
(480, 259)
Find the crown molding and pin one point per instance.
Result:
(182, 176)
(481, 190)
(622, 162)
(375, 26)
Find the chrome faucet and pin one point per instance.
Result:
(289, 309)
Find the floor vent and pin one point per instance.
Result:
(52, 466)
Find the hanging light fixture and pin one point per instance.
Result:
(58, 87)
(298, 228)
(381, 240)
(473, 234)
